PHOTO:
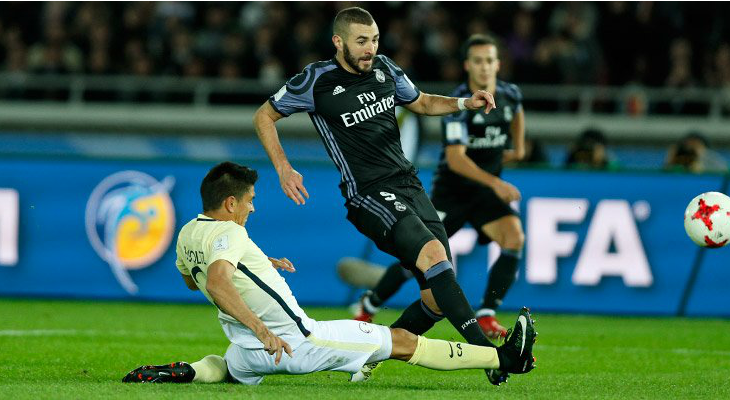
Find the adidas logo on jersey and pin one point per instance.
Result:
(338, 90)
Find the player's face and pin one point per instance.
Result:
(361, 46)
(244, 207)
(482, 64)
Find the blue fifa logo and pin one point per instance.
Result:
(130, 220)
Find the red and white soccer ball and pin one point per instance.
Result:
(707, 220)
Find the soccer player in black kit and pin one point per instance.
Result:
(467, 185)
(351, 99)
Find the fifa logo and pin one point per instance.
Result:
(130, 221)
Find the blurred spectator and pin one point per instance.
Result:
(616, 31)
(181, 51)
(210, 39)
(521, 43)
(590, 152)
(179, 10)
(136, 20)
(650, 41)
(14, 63)
(15, 54)
(708, 159)
(194, 68)
(683, 158)
(271, 72)
(545, 67)
(720, 72)
(142, 66)
(680, 64)
(720, 75)
(99, 63)
(55, 55)
(229, 70)
(615, 43)
(576, 51)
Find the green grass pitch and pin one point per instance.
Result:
(81, 350)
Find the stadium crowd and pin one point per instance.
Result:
(632, 44)
(614, 43)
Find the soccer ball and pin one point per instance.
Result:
(707, 220)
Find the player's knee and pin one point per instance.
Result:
(514, 241)
(507, 233)
(404, 344)
(431, 254)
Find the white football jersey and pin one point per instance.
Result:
(203, 240)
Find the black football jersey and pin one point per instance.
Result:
(485, 135)
(354, 115)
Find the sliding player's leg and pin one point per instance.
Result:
(211, 369)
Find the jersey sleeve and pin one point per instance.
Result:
(229, 245)
(517, 96)
(179, 260)
(454, 129)
(405, 91)
(296, 95)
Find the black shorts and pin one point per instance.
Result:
(477, 206)
(375, 211)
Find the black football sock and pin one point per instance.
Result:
(453, 304)
(395, 276)
(417, 318)
(501, 277)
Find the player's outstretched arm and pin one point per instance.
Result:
(292, 182)
(459, 162)
(432, 104)
(226, 297)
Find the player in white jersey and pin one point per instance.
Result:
(268, 331)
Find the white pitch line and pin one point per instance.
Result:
(675, 350)
(92, 332)
(39, 332)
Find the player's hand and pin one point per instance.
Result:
(282, 263)
(481, 98)
(506, 191)
(273, 344)
(292, 183)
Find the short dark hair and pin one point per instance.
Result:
(352, 15)
(224, 180)
(478, 39)
(696, 135)
(593, 135)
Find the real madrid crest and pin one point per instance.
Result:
(379, 75)
(507, 113)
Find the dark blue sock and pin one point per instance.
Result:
(501, 278)
(453, 304)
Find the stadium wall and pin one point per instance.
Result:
(236, 121)
(609, 243)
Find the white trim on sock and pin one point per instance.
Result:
(368, 306)
(485, 312)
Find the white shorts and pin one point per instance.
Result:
(344, 345)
